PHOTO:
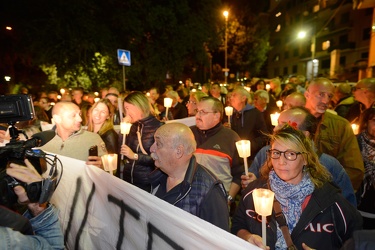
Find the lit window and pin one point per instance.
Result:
(326, 45)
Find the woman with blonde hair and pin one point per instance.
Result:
(101, 122)
(310, 211)
(138, 163)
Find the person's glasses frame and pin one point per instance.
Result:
(288, 154)
(202, 112)
(192, 102)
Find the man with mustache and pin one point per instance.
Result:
(334, 135)
(181, 181)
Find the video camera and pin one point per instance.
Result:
(14, 108)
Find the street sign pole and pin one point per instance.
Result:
(123, 77)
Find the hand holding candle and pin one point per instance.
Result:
(167, 104)
(229, 112)
(243, 148)
(125, 129)
(263, 203)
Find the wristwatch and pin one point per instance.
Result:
(230, 198)
(135, 157)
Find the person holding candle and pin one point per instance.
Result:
(101, 122)
(366, 193)
(247, 121)
(303, 120)
(261, 102)
(177, 109)
(216, 145)
(138, 162)
(317, 215)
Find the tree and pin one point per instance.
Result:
(81, 37)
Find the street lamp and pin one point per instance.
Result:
(226, 13)
(301, 35)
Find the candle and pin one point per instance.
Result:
(355, 128)
(125, 129)
(120, 107)
(275, 119)
(62, 91)
(243, 148)
(279, 104)
(229, 112)
(167, 104)
(109, 162)
(268, 87)
(263, 202)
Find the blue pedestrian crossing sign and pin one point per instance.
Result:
(123, 57)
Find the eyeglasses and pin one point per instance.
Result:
(355, 88)
(289, 155)
(202, 112)
(192, 102)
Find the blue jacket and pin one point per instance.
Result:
(339, 176)
(47, 228)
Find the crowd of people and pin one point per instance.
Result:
(321, 171)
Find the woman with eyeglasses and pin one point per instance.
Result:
(316, 215)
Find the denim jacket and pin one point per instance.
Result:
(47, 229)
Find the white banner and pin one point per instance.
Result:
(100, 211)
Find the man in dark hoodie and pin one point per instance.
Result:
(247, 121)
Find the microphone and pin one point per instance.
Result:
(44, 136)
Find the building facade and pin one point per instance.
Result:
(335, 44)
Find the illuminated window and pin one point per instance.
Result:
(326, 45)
(278, 28)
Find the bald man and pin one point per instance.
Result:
(294, 99)
(70, 139)
(181, 181)
(334, 135)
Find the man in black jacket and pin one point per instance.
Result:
(181, 181)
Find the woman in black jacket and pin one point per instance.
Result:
(138, 163)
(316, 214)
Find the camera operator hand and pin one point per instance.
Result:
(44, 220)
(28, 175)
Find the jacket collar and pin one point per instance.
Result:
(211, 131)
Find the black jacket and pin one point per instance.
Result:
(136, 171)
(326, 223)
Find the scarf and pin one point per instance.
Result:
(367, 146)
(290, 198)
